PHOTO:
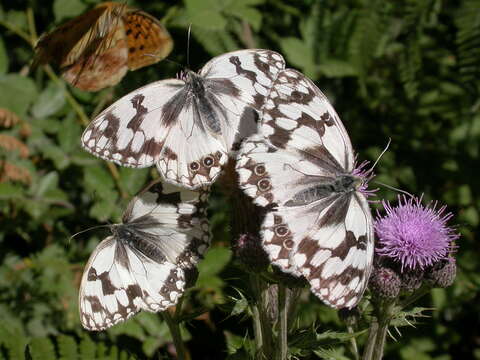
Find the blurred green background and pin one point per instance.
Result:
(405, 70)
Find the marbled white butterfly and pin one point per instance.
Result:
(187, 126)
(302, 169)
(148, 260)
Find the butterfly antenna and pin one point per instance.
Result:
(380, 156)
(90, 228)
(394, 188)
(188, 45)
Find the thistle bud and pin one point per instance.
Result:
(442, 274)
(385, 283)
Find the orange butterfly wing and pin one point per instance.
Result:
(105, 65)
(56, 46)
(96, 49)
(148, 40)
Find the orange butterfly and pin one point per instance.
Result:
(97, 48)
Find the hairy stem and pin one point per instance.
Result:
(262, 323)
(372, 337)
(174, 328)
(353, 344)
(282, 337)
(384, 318)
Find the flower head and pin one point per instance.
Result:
(442, 274)
(248, 249)
(414, 235)
(385, 283)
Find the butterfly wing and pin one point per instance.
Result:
(177, 217)
(311, 230)
(147, 262)
(131, 131)
(147, 39)
(56, 46)
(186, 128)
(240, 81)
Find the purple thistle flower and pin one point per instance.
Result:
(414, 235)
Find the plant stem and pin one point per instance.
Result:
(262, 323)
(384, 317)
(174, 328)
(282, 337)
(353, 344)
(257, 330)
(372, 337)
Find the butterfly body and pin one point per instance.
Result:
(187, 126)
(150, 258)
(342, 185)
(301, 168)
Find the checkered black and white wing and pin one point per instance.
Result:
(148, 260)
(318, 223)
(187, 126)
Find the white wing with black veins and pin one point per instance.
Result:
(318, 223)
(187, 127)
(149, 259)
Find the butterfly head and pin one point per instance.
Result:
(123, 232)
(362, 176)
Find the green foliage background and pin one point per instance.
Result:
(405, 70)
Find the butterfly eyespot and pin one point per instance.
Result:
(277, 219)
(264, 184)
(259, 170)
(288, 244)
(281, 230)
(208, 161)
(194, 166)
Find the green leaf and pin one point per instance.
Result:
(69, 136)
(67, 348)
(49, 102)
(17, 19)
(57, 155)
(87, 348)
(215, 42)
(243, 11)
(209, 20)
(151, 345)
(18, 92)
(47, 182)
(63, 9)
(12, 337)
(299, 54)
(331, 354)
(215, 261)
(98, 179)
(42, 349)
(234, 342)
(205, 14)
(336, 68)
(131, 327)
(105, 207)
(133, 180)
(10, 191)
(3, 57)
